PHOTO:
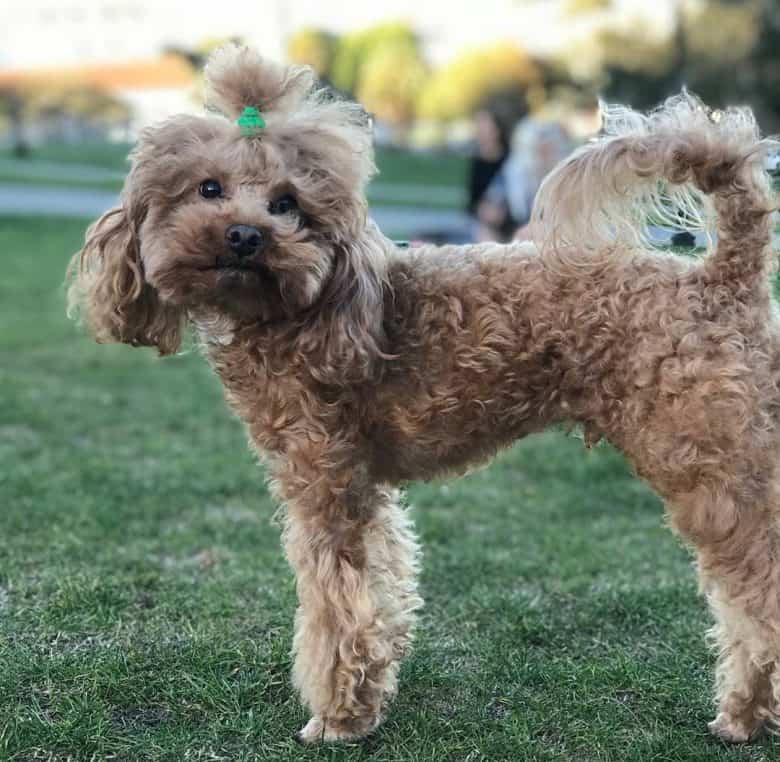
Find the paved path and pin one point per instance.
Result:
(50, 199)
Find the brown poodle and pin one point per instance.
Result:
(357, 366)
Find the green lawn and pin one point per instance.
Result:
(146, 608)
(74, 182)
(396, 167)
(99, 154)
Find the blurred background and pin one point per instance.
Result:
(472, 103)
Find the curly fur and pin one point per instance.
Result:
(357, 367)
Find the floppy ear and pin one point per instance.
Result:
(347, 325)
(108, 287)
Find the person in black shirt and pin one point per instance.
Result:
(492, 148)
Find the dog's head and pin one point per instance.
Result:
(258, 218)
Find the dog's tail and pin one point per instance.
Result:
(681, 166)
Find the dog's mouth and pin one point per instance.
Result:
(243, 264)
(242, 272)
(232, 267)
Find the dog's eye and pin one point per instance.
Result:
(283, 205)
(210, 189)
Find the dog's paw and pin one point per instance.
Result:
(733, 730)
(316, 730)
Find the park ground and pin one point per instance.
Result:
(146, 609)
(435, 180)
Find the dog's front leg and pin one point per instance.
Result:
(355, 559)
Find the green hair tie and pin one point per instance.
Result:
(251, 121)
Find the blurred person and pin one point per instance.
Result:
(492, 135)
(537, 146)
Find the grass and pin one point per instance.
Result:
(146, 607)
(75, 182)
(97, 153)
(399, 166)
(396, 168)
(396, 165)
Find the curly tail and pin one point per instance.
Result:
(679, 166)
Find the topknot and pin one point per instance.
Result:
(237, 77)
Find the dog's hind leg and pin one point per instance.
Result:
(743, 682)
(738, 551)
(355, 563)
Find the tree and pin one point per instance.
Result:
(315, 48)
(639, 71)
(763, 75)
(623, 65)
(720, 41)
(458, 89)
(354, 50)
(390, 82)
(724, 50)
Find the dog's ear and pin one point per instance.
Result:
(347, 332)
(108, 289)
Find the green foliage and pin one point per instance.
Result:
(640, 71)
(383, 68)
(721, 40)
(354, 50)
(391, 80)
(313, 47)
(722, 32)
(623, 50)
(456, 90)
(397, 167)
(764, 72)
(416, 168)
(99, 154)
(724, 51)
(627, 67)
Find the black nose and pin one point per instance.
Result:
(244, 240)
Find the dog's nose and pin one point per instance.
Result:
(244, 240)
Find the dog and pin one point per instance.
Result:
(357, 366)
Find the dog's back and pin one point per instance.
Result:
(704, 369)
